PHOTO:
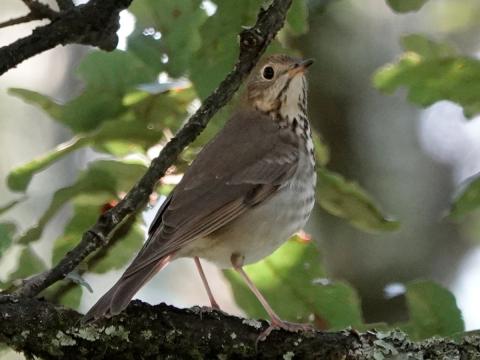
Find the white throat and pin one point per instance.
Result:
(294, 97)
(294, 112)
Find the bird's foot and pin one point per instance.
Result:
(214, 305)
(277, 324)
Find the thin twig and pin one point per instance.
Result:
(39, 9)
(19, 20)
(94, 23)
(253, 42)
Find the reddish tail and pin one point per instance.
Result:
(118, 297)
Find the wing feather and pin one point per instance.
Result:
(242, 166)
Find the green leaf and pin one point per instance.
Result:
(403, 6)
(219, 47)
(290, 279)
(126, 241)
(6, 233)
(297, 18)
(433, 311)
(103, 180)
(322, 152)
(425, 47)
(98, 115)
(178, 22)
(64, 292)
(19, 178)
(29, 264)
(164, 110)
(85, 213)
(139, 129)
(349, 201)
(431, 73)
(42, 101)
(146, 48)
(72, 297)
(467, 199)
(11, 204)
(120, 250)
(108, 77)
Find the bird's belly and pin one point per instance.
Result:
(262, 229)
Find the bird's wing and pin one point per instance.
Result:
(243, 165)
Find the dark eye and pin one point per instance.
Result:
(268, 72)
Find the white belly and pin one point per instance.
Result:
(262, 229)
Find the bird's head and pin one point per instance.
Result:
(278, 85)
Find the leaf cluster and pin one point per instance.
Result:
(134, 100)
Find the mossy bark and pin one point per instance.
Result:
(42, 329)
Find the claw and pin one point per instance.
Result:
(277, 324)
(206, 310)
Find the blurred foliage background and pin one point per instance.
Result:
(396, 222)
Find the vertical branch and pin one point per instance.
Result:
(253, 43)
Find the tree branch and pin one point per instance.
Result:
(65, 4)
(94, 23)
(253, 42)
(19, 20)
(42, 329)
(38, 11)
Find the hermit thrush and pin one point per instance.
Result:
(247, 192)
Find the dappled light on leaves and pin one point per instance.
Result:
(432, 72)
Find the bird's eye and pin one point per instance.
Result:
(268, 72)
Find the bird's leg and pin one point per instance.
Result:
(205, 283)
(275, 321)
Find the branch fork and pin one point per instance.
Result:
(38, 11)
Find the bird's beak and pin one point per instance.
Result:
(300, 67)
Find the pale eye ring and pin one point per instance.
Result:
(268, 73)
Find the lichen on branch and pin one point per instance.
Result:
(94, 23)
(42, 329)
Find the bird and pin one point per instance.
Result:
(247, 192)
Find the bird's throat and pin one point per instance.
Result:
(299, 124)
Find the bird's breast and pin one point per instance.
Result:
(262, 229)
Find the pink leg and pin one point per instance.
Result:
(275, 322)
(205, 283)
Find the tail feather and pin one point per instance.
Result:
(118, 297)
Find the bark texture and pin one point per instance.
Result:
(94, 23)
(39, 328)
